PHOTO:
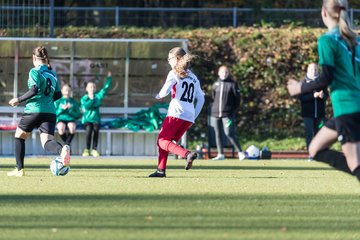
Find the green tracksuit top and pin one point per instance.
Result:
(67, 115)
(345, 86)
(47, 83)
(91, 107)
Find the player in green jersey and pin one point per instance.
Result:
(339, 53)
(67, 112)
(90, 107)
(39, 111)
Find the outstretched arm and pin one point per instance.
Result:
(322, 81)
(106, 87)
(295, 88)
(166, 89)
(29, 94)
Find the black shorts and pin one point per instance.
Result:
(66, 122)
(346, 126)
(45, 122)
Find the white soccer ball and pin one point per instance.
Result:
(252, 152)
(58, 168)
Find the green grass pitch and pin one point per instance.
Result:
(112, 198)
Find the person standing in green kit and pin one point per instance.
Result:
(90, 106)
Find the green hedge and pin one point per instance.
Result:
(261, 60)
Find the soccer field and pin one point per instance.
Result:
(112, 198)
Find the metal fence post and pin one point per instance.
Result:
(234, 17)
(52, 15)
(72, 63)
(127, 69)
(16, 77)
(117, 17)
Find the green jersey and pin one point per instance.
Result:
(345, 86)
(91, 107)
(70, 114)
(46, 82)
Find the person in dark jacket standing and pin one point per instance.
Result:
(226, 99)
(313, 105)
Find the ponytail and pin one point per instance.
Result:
(48, 63)
(42, 54)
(183, 61)
(347, 33)
(183, 65)
(337, 9)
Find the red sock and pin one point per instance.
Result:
(172, 147)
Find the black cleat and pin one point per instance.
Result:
(190, 158)
(158, 173)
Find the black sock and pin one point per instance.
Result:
(357, 173)
(333, 158)
(19, 153)
(63, 137)
(69, 138)
(53, 146)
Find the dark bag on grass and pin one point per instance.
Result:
(265, 153)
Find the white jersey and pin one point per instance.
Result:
(183, 93)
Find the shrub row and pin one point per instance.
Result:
(261, 60)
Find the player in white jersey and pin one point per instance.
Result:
(185, 88)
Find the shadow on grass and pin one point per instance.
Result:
(152, 167)
(194, 198)
(153, 211)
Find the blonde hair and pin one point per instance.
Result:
(337, 9)
(183, 61)
(42, 54)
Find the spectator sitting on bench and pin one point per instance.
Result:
(67, 112)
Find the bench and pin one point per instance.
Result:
(111, 141)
